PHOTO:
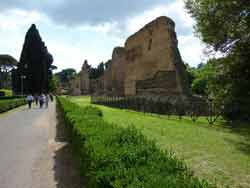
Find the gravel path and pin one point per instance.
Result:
(34, 151)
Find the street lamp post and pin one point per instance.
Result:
(22, 78)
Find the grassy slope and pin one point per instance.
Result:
(217, 153)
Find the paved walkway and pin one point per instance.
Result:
(34, 153)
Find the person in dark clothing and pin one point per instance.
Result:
(51, 97)
(29, 100)
(41, 99)
(36, 99)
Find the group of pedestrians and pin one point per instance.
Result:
(41, 100)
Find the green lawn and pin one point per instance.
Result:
(219, 153)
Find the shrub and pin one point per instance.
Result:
(10, 97)
(5, 92)
(8, 104)
(110, 156)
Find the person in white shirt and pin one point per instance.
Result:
(29, 100)
(46, 100)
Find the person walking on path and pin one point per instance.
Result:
(46, 100)
(29, 100)
(36, 99)
(41, 99)
(51, 97)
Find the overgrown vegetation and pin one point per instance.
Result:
(112, 156)
(201, 78)
(8, 104)
(224, 26)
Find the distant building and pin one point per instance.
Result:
(75, 86)
(85, 79)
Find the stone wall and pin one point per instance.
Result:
(149, 64)
(84, 79)
(75, 86)
(97, 86)
(151, 52)
(118, 70)
(108, 78)
(163, 83)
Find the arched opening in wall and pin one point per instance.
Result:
(150, 44)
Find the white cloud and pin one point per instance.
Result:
(14, 19)
(104, 27)
(190, 47)
(175, 11)
(191, 50)
(13, 26)
(77, 12)
(67, 56)
(71, 45)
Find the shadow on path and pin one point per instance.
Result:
(65, 167)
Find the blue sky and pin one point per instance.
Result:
(75, 30)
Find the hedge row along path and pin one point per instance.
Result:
(34, 152)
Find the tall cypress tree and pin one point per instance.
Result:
(34, 69)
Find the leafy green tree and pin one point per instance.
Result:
(203, 76)
(62, 79)
(224, 25)
(190, 73)
(97, 72)
(7, 63)
(221, 23)
(53, 84)
(66, 75)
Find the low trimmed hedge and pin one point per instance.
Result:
(10, 97)
(8, 104)
(110, 156)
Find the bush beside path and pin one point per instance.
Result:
(8, 104)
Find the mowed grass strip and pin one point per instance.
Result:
(217, 153)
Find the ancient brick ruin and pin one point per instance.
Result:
(150, 64)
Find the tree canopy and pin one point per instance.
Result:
(201, 78)
(66, 75)
(97, 72)
(34, 70)
(7, 60)
(7, 63)
(224, 25)
(221, 24)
